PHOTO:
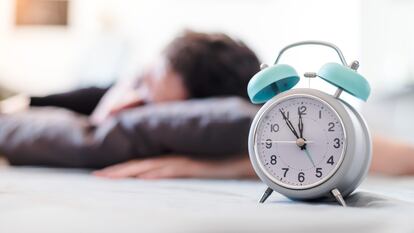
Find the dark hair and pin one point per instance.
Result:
(212, 64)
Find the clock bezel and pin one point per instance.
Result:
(268, 107)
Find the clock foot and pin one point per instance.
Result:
(266, 194)
(338, 197)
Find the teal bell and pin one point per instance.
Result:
(347, 79)
(271, 81)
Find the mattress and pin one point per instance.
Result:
(60, 200)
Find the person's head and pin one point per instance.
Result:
(199, 65)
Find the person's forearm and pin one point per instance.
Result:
(230, 169)
(81, 101)
(391, 157)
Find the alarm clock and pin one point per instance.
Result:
(304, 143)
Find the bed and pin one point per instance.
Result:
(71, 200)
(66, 200)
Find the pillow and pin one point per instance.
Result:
(213, 128)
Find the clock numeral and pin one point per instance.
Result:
(285, 113)
(318, 172)
(331, 126)
(330, 160)
(268, 143)
(302, 110)
(273, 160)
(274, 128)
(337, 143)
(320, 114)
(301, 177)
(286, 170)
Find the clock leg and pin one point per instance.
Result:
(338, 197)
(266, 194)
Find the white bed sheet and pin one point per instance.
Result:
(58, 200)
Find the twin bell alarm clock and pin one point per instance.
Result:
(304, 143)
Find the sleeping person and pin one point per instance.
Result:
(189, 108)
(186, 115)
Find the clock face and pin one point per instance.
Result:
(300, 141)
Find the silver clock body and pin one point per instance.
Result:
(355, 156)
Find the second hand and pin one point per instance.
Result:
(288, 142)
(309, 156)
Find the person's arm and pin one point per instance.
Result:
(81, 101)
(180, 167)
(121, 96)
(391, 157)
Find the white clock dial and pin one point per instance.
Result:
(296, 159)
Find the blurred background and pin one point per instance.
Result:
(48, 46)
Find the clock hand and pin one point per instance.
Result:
(289, 124)
(300, 127)
(301, 142)
(303, 147)
(309, 156)
(300, 124)
(289, 142)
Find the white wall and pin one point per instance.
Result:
(388, 42)
(388, 52)
(43, 60)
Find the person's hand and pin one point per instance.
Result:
(179, 167)
(14, 104)
(120, 97)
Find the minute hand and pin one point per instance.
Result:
(289, 124)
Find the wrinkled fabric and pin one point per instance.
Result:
(44, 200)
